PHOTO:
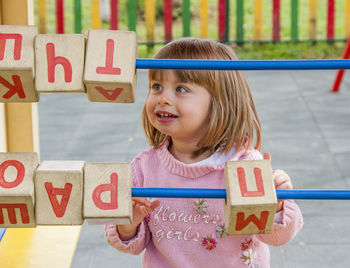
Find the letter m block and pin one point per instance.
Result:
(251, 197)
(17, 63)
(17, 189)
(107, 193)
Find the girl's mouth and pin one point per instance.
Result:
(165, 117)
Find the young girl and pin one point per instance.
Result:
(196, 120)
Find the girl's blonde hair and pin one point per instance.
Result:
(233, 116)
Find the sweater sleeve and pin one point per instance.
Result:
(285, 229)
(138, 243)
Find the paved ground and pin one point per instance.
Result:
(306, 129)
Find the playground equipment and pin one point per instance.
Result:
(110, 180)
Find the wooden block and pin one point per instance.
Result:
(59, 60)
(110, 74)
(17, 64)
(107, 193)
(59, 193)
(251, 197)
(17, 189)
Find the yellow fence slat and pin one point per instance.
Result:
(204, 18)
(95, 14)
(312, 19)
(347, 18)
(258, 20)
(150, 19)
(42, 16)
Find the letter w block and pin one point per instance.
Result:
(17, 64)
(110, 72)
(251, 197)
(17, 189)
(107, 193)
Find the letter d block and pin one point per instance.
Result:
(17, 189)
(59, 193)
(251, 197)
(107, 193)
(17, 64)
(59, 60)
(110, 73)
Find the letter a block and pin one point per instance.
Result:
(59, 60)
(59, 193)
(17, 189)
(110, 73)
(17, 64)
(107, 193)
(251, 197)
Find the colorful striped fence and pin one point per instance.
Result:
(227, 12)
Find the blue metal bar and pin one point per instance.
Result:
(242, 64)
(221, 193)
(2, 232)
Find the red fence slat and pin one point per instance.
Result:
(276, 20)
(168, 20)
(222, 19)
(330, 25)
(114, 15)
(59, 17)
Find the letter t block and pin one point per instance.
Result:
(251, 197)
(17, 189)
(107, 193)
(110, 73)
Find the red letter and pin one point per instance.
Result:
(17, 47)
(243, 183)
(108, 69)
(52, 61)
(260, 223)
(111, 94)
(59, 209)
(113, 188)
(20, 173)
(13, 89)
(12, 214)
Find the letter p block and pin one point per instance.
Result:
(251, 197)
(107, 193)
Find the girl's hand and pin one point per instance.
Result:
(141, 207)
(281, 180)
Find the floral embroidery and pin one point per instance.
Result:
(209, 243)
(248, 256)
(148, 217)
(200, 205)
(221, 231)
(246, 244)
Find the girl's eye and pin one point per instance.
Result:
(156, 87)
(182, 90)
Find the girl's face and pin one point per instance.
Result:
(177, 109)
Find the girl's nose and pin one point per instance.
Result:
(164, 98)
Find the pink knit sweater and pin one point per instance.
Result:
(189, 232)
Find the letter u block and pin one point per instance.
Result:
(107, 193)
(17, 64)
(110, 73)
(17, 189)
(251, 197)
(59, 193)
(59, 60)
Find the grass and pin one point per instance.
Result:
(283, 50)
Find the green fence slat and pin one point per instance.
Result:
(186, 18)
(239, 24)
(132, 14)
(294, 25)
(77, 16)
